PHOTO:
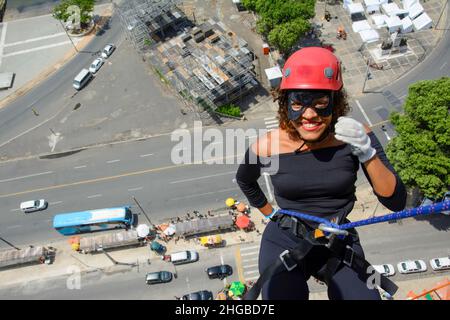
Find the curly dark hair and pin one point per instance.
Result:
(340, 108)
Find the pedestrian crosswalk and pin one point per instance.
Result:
(271, 123)
(249, 262)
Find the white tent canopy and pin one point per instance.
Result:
(142, 230)
(409, 3)
(372, 5)
(355, 8)
(422, 22)
(369, 36)
(390, 8)
(407, 25)
(415, 11)
(393, 23)
(361, 26)
(379, 20)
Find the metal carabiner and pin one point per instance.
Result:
(332, 230)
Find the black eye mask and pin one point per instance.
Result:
(308, 99)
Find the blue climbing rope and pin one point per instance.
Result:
(419, 211)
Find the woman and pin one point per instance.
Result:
(319, 151)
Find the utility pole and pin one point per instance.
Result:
(62, 25)
(145, 214)
(9, 243)
(114, 261)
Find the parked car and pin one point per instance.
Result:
(33, 205)
(181, 257)
(385, 269)
(108, 50)
(158, 277)
(440, 263)
(219, 272)
(199, 295)
(96, 65)
(410, 266)
(446, 198)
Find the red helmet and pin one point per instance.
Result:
(312, 68)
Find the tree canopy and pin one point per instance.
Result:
(421, 151)
(62, 12)
(283, 22)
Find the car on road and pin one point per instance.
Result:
(158, 277)
(446, 198)
(33, 205)
(440, 263)
(108, 50)
(199, 295)
(412, 266)
(385, 269)
(96, 65)
(219, 272)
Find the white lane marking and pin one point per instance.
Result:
(363, 112)
(387, 136)
(249, 254)
(112, 161)
(2, 40)
(250, 266)
(55, 203)
(251, 272)
(13, 227)
(29, 176)
(35, 39)
(136, 189)
(250, 260)
(274, 126)
(403, 96)
(94, 196)
(270, 130)
(13, 210)
(80, 167)
(269, 118)
(249, 248)
(37, 49)
(443, 66)
(272, 122)
(205, 177)
(146, 155)
(203, 194)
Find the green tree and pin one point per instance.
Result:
(286, 35)
(421, 151)
(61, 12)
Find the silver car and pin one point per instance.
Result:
(33, 205)
(108, 50)
(96, 65)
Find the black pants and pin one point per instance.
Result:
(346, 284)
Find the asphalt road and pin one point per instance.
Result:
(383, 244)
(131, 285)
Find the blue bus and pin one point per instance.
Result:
(93, 220)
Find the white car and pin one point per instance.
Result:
(108, 50)
(410, 266)
(96, 65)
(33, 205)
(440, 263)
(385, 269)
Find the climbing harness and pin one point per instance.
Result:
(336, 238)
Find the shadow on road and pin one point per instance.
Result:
(439, 221)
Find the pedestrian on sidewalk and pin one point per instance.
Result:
(317, 150)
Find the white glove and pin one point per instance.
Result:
(352, 132)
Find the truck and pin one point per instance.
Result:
(114, 240)
(29, 255)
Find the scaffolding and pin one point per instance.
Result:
(146, 21)
(207, 64)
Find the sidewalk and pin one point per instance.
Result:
(67, 261)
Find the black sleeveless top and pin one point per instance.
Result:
(318, 182)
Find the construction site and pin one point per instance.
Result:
(207, 64)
